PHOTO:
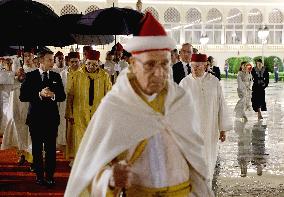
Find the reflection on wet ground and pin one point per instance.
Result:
(251, 161)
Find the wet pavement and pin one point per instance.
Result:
(251, 161)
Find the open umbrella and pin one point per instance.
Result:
(29, 22)
(112, 21)
(82, 34)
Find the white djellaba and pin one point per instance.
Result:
(211, 107)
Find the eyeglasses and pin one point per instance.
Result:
(152, 65)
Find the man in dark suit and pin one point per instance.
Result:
(214, 70)
(43, 88)
(182, 68)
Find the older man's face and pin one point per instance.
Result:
(151, 70)
(198, 68)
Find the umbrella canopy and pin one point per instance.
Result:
(112, 21)
(82, 34)
(29, 22)
(13, 50)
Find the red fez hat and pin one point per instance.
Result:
(118, 47)
(93, 55)
(151, 36)
(74, 55)
(87, 48)
(199, 58)
(58, 53)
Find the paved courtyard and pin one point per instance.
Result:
(251, 161)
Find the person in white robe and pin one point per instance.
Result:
(209, 101)
(16, 131)
(6, 82)
(67, 76)
(244, 90)
(137, 139)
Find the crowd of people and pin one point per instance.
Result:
(145, 122)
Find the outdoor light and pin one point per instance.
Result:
(204, 39)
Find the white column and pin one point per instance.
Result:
(223, 35)
(182, 35)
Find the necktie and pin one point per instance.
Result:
(91, 92)
(188, 69)
(45, 79)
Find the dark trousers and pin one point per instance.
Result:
(44, 136)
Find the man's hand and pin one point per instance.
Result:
(122, 176)
(222, 136)
(20, 74)
(45, 92)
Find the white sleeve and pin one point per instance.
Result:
(100, 184)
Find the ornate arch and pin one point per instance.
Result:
(214, 16)
(91, 8)
(235, 16)
(275, 16)
(172, 15)
(255, 16)
(153, 11)
(69, 9)
(193, 16)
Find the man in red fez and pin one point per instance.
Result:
(88, 86)
(85, 50)
(142, 140)
(120, 63)
(208, 98)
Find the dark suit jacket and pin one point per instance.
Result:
(216, 72)
(178, 72)
(42, 111)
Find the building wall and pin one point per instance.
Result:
(179, 9)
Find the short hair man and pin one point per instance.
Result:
(43, 88)
(138, 139)
(182, 68)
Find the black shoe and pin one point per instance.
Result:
(40, 181)
(50, 182)
(22, 160)
(32, 168)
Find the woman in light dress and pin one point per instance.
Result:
(244, 90)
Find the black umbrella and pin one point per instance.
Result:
(82, 34)
(112, 21)
(29, 22)
(13, 50)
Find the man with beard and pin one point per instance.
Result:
(90, 84)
